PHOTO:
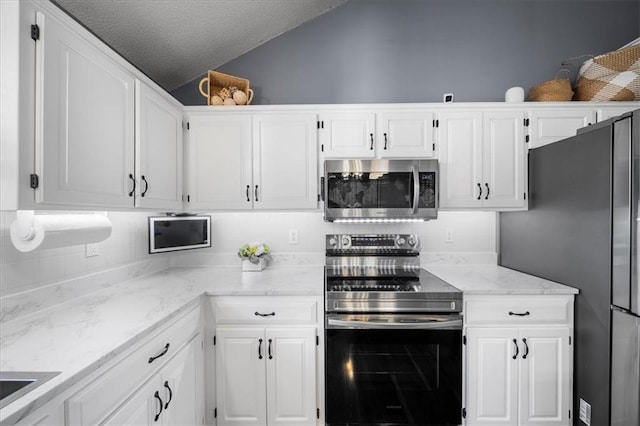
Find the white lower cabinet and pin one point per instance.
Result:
(519, 362)
(173, 396)
(266, 376)
(159, 382)
(266, 355)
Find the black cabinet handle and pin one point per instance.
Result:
(163, 353)
(519, 314)
(480, 188)
(255, 192)
(385, 140)
(269, 350)
(526, 349)
(157, 395)
(270, 314)
(248, 188)
(133, 190)
(487, 196)
(146, 186)
(371, 136)
(260, 349)
(515, 343)
(166, 385)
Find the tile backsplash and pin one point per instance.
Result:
(59, 274)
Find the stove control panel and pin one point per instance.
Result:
(372, 243)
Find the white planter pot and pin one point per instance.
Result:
(253, 267)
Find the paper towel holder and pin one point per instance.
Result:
(25, 229)
(30, 231)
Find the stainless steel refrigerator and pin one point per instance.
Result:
(581, 229)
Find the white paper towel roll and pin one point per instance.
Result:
(29, 231)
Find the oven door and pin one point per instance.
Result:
(393, 369)
(381, 189)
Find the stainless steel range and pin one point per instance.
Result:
(393, 335)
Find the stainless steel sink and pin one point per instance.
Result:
(14, 384)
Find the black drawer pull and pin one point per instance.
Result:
(166, 385)
(271, 314)
(519, 314)
(163, 353)
(157, 395)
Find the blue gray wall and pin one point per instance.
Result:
(371, 51)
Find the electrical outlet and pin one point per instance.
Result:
(448, 235)
(585, 412)
(91, 250)
(293, 236)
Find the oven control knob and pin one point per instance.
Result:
(411, 241)
(345, 241)
(333, 242)
(401, 241)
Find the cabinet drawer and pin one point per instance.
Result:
(519, 310)
(95, 402)
(265, 310)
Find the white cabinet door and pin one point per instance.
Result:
(143, 408)
(291, 376)
(552, 125)
(503, 165)
(492, 376)
(220, 163)
(158, 150)
(84, 121)
(404, 134)
(460, 159)
(610, 112)
(285, 158)
(348, 135)
(240, 376)
(181, 386)
(545, 376)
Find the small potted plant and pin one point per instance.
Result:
(254, 256)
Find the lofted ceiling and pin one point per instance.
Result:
(176, 41)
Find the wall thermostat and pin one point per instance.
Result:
(447, 97)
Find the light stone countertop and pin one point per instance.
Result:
(80, 336)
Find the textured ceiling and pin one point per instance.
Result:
(176, 41)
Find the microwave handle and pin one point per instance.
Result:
(416, 190)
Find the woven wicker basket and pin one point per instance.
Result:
(556, 90)
(613, 76)
(216, 81)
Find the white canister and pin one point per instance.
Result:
(514, 94)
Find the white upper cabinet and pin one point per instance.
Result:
(347, 134)
(460, 159)
(504, 160)
(385, 134)
(103, 138)
(550, 125)
(219, 162)
(158, 149)
(285, 158)
(84, 121)
(240, 161)
(606, 113)
(482, 160)
(405, 134)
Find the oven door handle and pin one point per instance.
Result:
(416, 190)
(421, 325)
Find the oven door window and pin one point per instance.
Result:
(393, 377)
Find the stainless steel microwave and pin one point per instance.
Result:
(380, 190)
(171, 233)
